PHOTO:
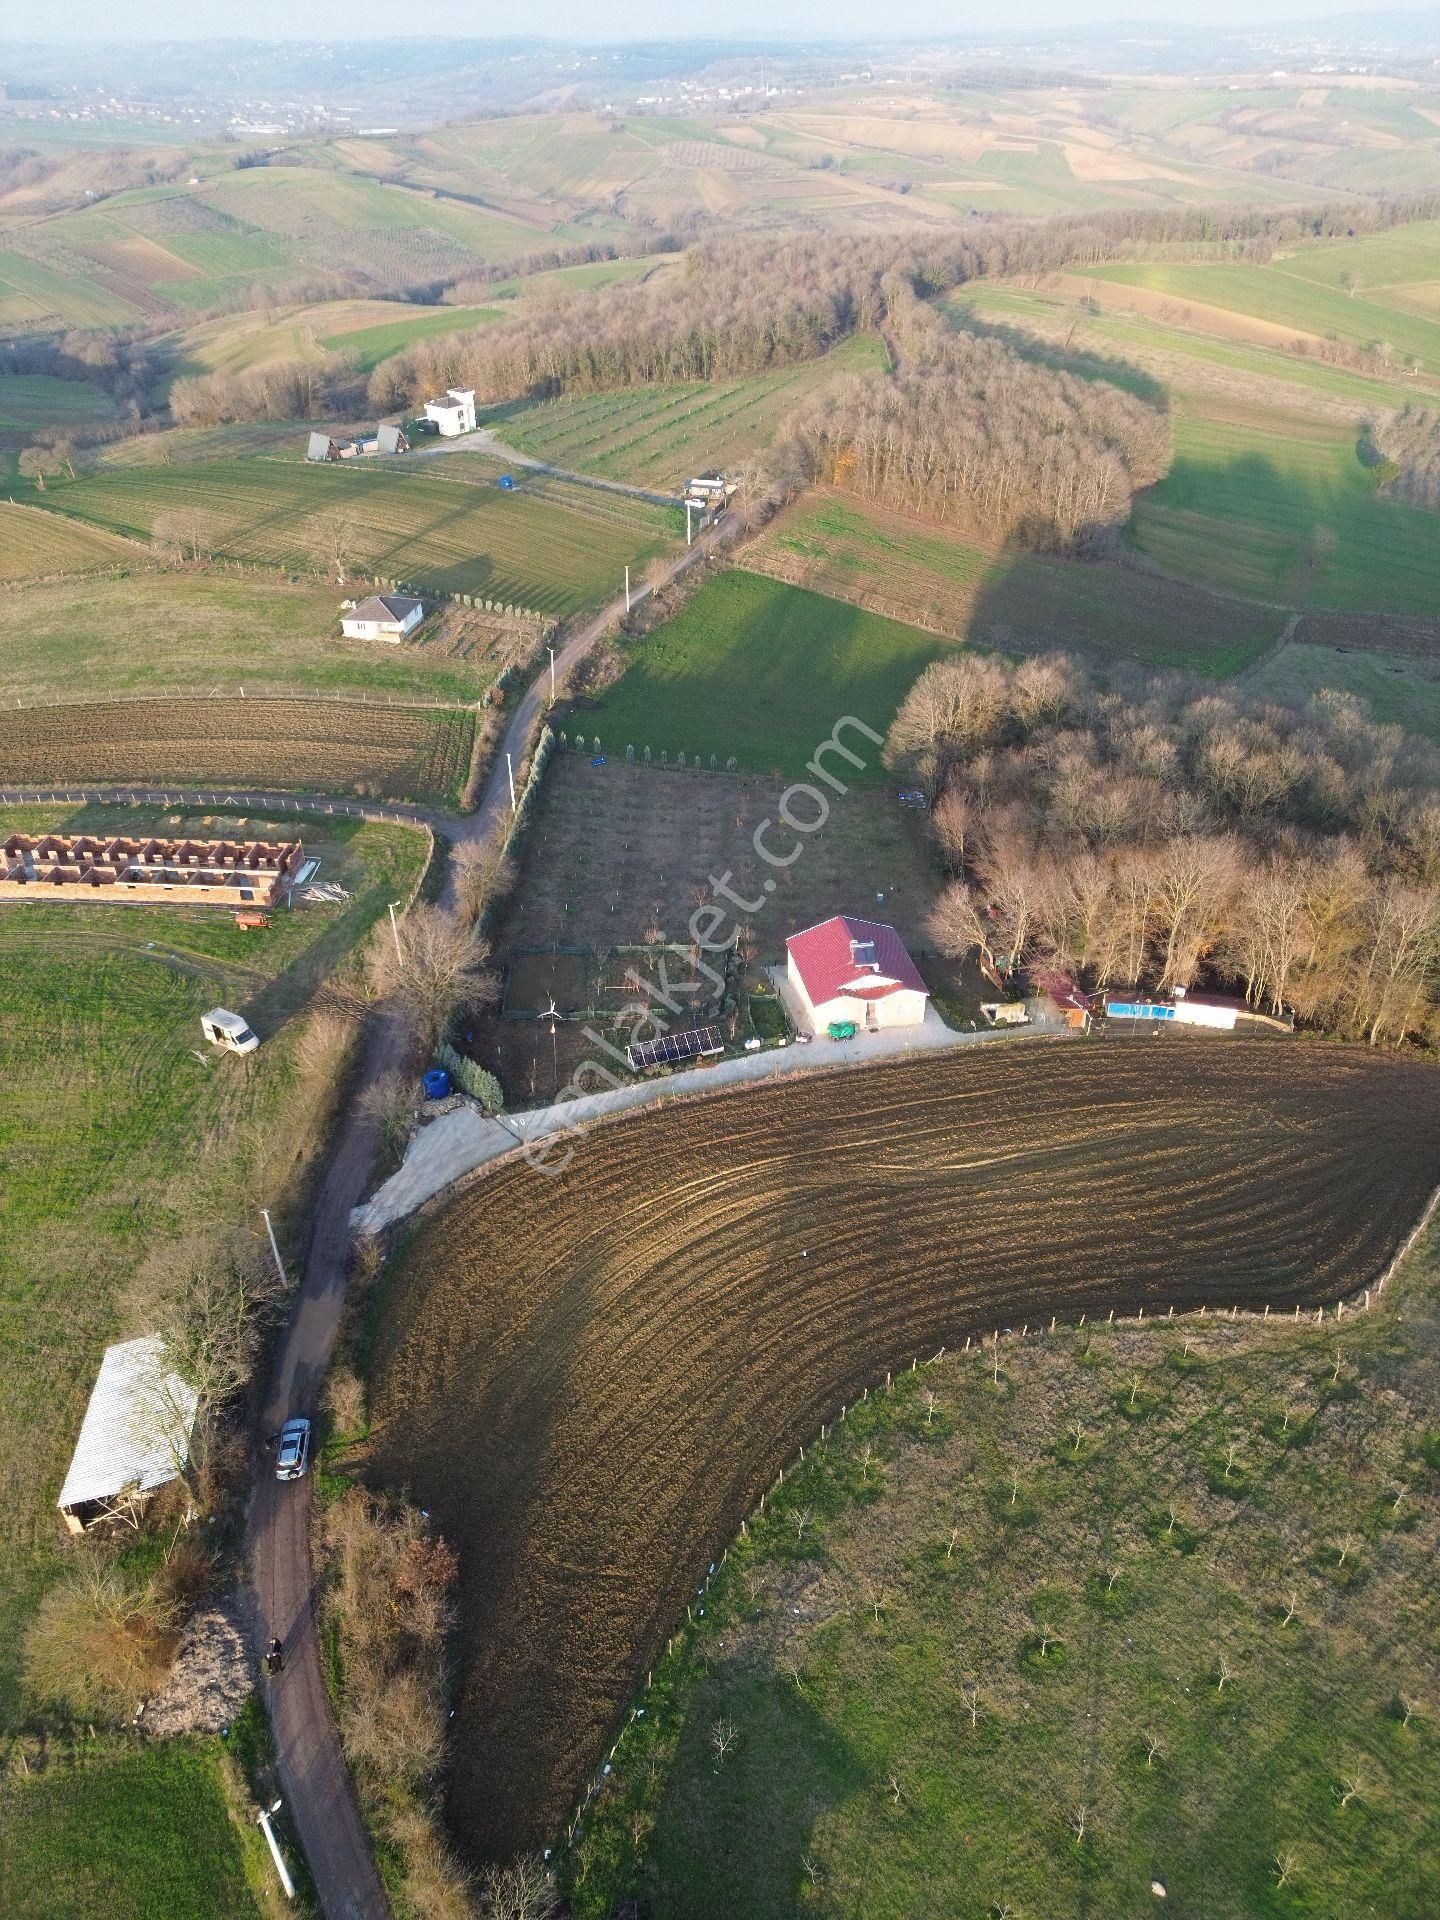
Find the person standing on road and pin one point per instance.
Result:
(274, 1658)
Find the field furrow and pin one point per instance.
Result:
(589, 1380)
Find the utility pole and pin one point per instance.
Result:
(279, 1263)
(552, 676)
(687, 523)
(510, 769)
(395, 932)
(627, 589)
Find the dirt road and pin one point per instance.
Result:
(316, 1782)
(483, 440)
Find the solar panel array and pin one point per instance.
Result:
(672, 1047)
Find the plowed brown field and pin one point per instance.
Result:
(322, 746)
(589, 1380)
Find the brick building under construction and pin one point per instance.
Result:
(221, 873)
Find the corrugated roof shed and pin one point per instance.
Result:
(136, 1430)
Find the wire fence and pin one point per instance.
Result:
(415, 701)
(214, 798)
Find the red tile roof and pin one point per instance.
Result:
(862, 958)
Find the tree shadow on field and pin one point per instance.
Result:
(1061, 358)
(734, 1839)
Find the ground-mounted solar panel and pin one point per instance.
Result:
(695, 1043)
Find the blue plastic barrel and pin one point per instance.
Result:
(436, 1083)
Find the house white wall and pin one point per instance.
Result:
(395, 630)
(453, 413)
(903, 1008)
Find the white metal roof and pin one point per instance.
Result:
(226, 1021)
(136, 1430)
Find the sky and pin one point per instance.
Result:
(622, 19)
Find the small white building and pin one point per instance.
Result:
(384, 616)
(1207, 1009)
(454, 412)
(849, 969)
(135, 1436)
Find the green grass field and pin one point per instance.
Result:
(1187, 361)
(99, 1013)
(1289, 298)
(140, 1833)
(1012, 601)
(659, 436)
(1398, 691)
(34, 544)
(194, 630)
(556, 552)
(31, 400)
(370, 345)
(1288, 516)
(1151, 1607)
(762, 671)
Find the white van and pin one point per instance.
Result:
(225, 1029)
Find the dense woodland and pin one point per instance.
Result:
(279, 390)
(742, 305)
(972, 433)
(1407, 446)
(1164, 836)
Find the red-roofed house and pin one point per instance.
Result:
(849, 969)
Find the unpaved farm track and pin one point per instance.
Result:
(589, 1380)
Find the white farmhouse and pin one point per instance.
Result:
(849, 969)
(384, 616)
(454, 412)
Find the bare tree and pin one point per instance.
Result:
(431, 965)
(723, 1735)
(332, 539)
(523, 1890)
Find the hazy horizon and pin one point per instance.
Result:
(326, 20)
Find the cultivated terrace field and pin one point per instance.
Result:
(660, 436)
(590, 1379)
(319, 746)
(422, 523)
(36, 545)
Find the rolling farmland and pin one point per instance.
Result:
(317, 746)
(1292, 517)
(99, 1011)
(555, 550)
(659, 436)
(203, 630)
(1285, 297)
(590, 1379)
(759, 670)
(1017, 602)
(34, 544)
